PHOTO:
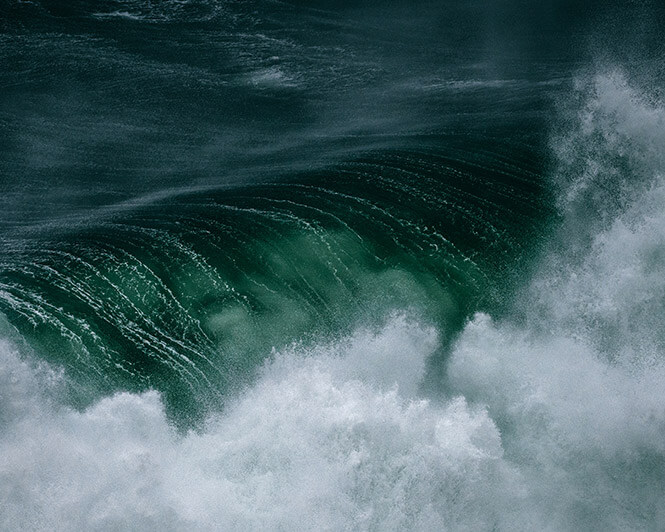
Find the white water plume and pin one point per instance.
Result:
(320, 442)
(577, 386)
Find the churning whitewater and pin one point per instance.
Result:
(268, 266)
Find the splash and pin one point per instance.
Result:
(330, 438)
(575, 385)
(553, 418)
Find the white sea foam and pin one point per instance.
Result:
(320, 442)
(577, 385)
(588, 437)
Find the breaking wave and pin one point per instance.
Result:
(549, 416)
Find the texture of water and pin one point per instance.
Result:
(331, 266)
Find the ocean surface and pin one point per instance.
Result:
(361, 265)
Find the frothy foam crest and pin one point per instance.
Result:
(576, 385)
(604, 280)
(616, 298)
(320, 442)
(587, 436)
(612, 143)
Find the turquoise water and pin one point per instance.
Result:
(357, 266)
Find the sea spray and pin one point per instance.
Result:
(576, 385)
(322, 440)
(342, 266)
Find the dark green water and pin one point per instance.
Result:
(202, 182)
(400, 262)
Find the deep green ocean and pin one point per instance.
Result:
(359, 265)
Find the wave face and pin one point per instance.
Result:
(272, 266)
(189, 293)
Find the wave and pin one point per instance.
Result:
(329, 437)
(549, 415)
(188, 294)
